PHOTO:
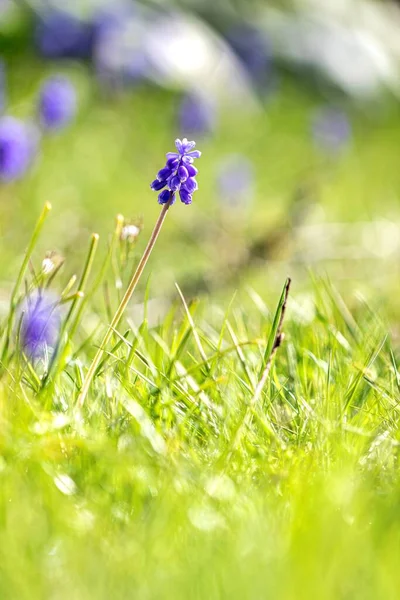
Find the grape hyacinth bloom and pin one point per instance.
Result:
(40, 324)
(252, 48)
(197, 114)
(57, 103)
(119, 54)
(60, 34)
(17, 146)
(178, 175)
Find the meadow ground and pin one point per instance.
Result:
(180, 477)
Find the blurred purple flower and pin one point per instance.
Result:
(252, 48)
(236, 181)
(17, 147)
(178, 175)
(197, 114)
(57, 103)
(118, 52)
(40, 324)
(331, 129)
(59, 34)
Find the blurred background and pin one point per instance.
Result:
(294, 105)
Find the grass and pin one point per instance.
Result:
(181, 477)
(149, 492)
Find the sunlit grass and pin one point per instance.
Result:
(148, 491)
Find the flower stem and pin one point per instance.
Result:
(122, 306)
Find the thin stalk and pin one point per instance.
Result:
(193, 328)
(71, 297)
(84, 277)
(68, 287)
(274, 342)
(99, 278)
(122, 306)
(21, 275)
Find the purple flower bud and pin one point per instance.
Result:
(191, 185)
(194, 154)
(57, 104)
(183, 173)
(165, 196)
(157, 185)
(179, 146)
(187, 146)
(191, 169)
(17, 148)
(164, 173)
(186, 196)
(40, 324)
(173, 162)
(175, 183)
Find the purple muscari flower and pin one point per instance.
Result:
(40, 324)
(119, 54)
(197, 114)
(235, 181)
(60, 34)
(331, 129)
(57, 104)
(178, 175)
(17, 147)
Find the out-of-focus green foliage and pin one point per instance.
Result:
(148, 491)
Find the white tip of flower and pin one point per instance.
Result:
(51, 261)
(130, 232)
(48, 266)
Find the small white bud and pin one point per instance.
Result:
(48, 266)
(130, 233)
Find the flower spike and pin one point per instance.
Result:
(178, 175)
